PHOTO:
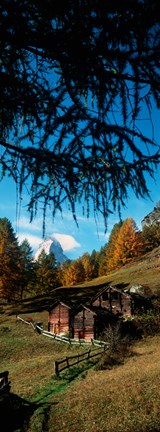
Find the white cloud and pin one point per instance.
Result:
(35, 225)
(67, 241)
(34, 241)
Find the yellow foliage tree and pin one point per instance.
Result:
(106, 262)
(73, 273)
(129, 243)
(88, 265)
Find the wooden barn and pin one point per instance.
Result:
(78, 323)
(87, 321)
(59, 320)
(84, 323)
(113, 300)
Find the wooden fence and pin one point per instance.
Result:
(61, 365)
(28, 321)
(64, 339)
(71, 341)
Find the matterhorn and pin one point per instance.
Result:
(50, 244)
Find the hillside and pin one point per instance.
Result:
(144, 271)
(125, 398)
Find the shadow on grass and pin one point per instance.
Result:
(76, 371)
(121, 285)
(16, 412)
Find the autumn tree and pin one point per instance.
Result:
(74, 273)
(76, 80)
(129, 243)
(64, 269)
(10, 262)
(89, 263)
(81, 269)
(107, 262)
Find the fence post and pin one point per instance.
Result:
(56, 368)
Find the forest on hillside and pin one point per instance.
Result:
(21, 276)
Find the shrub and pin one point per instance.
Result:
(118, 347)
(148, 324)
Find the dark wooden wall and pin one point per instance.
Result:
(83, 325)
(115, 301)
(59, 319)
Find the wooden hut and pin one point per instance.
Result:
(59, 320)
(84, 323)
(87, 321)
(113, 300)
(78, 323)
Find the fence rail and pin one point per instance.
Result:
(69, 361)
(71, 341)
(64, 339)
(72, 360)
(28, 321)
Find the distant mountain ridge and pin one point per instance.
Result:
(152, 218)
(50, 244)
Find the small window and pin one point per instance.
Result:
(105, 296)
(114, 295)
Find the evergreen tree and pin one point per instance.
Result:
(102, 261)
(95, 262)
(10, 262)
(46, 278)
(27, 267)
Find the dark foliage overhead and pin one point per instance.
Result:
(76, 79)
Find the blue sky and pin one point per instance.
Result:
(74, 241)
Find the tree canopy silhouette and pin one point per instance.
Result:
(78, 79)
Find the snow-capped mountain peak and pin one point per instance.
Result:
(50, 244)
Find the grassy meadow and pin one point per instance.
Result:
(124, 398)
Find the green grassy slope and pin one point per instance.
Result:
(123, 399)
